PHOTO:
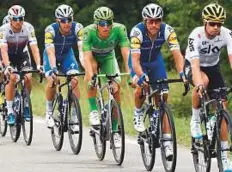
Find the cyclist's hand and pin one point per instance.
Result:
(182, 76)
(200, 90)
(39, 68)
(93, 81)
(7, 71)
(143, 79)
(52, 73)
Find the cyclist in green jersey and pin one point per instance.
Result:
(99, 41)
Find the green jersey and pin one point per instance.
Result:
(102, 48)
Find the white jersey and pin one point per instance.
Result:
(17, 42)
(208, 50)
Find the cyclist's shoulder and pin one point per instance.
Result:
(51, 27)
(90, 28)
(225, 30)
(28, 25)
(118, 25)
(197, 32)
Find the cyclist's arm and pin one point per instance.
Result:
(36, 55)
(124, 44)
(79, 31)
(4, 47)
(196, 72)
(125, 54)
(228, 38)
(49, 46)
(136, 64)
(174, 46)
(88, 58)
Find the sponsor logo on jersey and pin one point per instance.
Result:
(80, 34)
(85, 36)
(1, 35)
(190, 42)
(48, 38)
(173, 39)
(135, 33)
(135, 43)
(210, 49)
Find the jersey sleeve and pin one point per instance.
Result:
(79, 32)
(136, 39)
(31, 37)
(228, 37)
(86, 46)
(171, 38)
(123, 38)
(192, 46)
(49, 37)
(3, 40)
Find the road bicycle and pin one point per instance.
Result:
(209, 146)
(67, 116)
(111, 126)
(153, 118)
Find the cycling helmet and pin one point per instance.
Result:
(6, 19)
(103, 13)
(16, 11)
(64, 11)
(214, 13)
(152, 11)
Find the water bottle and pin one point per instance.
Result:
(210, 125)
(155, 119)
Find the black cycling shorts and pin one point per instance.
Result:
(20, 61)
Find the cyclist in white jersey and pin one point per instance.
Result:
(14, 37)
(202, 64)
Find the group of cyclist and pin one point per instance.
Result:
(141, 53)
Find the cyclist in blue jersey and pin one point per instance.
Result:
(146, 62)
(58, 54)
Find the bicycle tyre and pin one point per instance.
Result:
(15, 129)
(148, 144)
(99, 137)
(226, 116)
(169, 165)
(27, 131)
(72, 134)
(118, 154)
(3, 119)
(57, 132)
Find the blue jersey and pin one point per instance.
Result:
(62, 44)
(150, 50)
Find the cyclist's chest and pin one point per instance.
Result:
(65, 40)
(149, 44)
(17, 38)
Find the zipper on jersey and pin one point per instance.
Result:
(63, 44)
(152, 45)
(17, 39)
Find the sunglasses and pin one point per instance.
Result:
(66, 20)
(105, 23)
(18, 19)
(151, 21)
(213, 24)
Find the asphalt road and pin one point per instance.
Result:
(41, 156)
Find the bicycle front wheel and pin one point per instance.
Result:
(75, 125)
(57, 132)
(27, 119)
(118, 133)
(225, 128)
(168, 140)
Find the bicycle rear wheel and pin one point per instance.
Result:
(201, 154)
(169, 163)
(27, 121)
(227, 134)
(57, 132)
(75, 125)
(15, 129)
(3, 118)
(118, 133)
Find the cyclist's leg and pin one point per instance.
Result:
(50, 90)
(10, 91)
(70, 65)
(91, 93)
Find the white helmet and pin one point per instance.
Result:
(6, 19)
(152, 11)
(16, 11)
(64, 11)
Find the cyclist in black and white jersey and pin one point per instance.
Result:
(202, 64)
(14, 37)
